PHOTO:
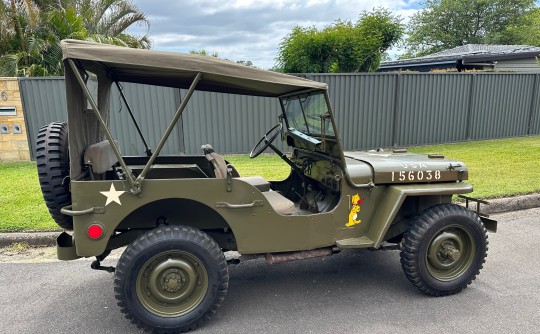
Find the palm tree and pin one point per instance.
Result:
(32, 30)
(106, 21)
(6, 28)
(19, 19)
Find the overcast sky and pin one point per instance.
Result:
(247, 29)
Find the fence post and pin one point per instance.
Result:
(472, 93)
(534, 98)
(396, 103)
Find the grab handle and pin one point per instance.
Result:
(68, 212)
(239, 206)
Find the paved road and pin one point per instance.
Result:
(352, 292)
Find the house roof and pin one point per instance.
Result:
(470, 53)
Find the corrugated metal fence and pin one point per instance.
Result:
(372, 110)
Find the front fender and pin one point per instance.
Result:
(395, 196)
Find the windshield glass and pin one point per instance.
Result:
(304, 113)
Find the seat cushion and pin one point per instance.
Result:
(279, 203)
(100, 156)
(257, 181)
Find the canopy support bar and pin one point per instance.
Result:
(147, 149)
(169, 129)
(127, 172)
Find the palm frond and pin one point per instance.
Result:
(9, 65)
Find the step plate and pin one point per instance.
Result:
(362, 242)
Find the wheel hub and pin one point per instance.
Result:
(166, 283)
(450, 253)
(172, 283)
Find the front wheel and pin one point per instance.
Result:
(444, 249)
(171, 279)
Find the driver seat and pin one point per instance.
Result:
(279, 203)
(222, 168)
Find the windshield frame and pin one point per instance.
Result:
(330, 128)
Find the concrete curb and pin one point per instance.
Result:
(517, 203)
(31, 238)
(498, 205)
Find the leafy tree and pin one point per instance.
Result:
(445, 24)
(108, 20)
(32, 31)
(528, 32)
(19, 20)
(343, 46)
(204, 53)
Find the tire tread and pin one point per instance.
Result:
(412, 241)
(53, 167)
(166, 233)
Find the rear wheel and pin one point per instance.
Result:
(52, 157)
(171, 279)
(444, 249)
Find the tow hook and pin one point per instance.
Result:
(96, 265)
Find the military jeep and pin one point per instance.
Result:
(178, 214)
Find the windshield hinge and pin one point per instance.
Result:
(324, 117)
(229, 179)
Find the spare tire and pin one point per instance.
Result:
(52, 157)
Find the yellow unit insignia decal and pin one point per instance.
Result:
(353, 215)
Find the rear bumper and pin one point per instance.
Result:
(65, 247)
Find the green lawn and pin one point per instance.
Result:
(21, 204)
(269, 166)
(497, 168)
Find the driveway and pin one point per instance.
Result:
(351, 292)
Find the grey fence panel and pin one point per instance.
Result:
(432, 109)
(535, 123)
(501, 106)
(372, 110)
(534, 126)
(153, 108)
(364, 106)
(230, 123)
(44, 101)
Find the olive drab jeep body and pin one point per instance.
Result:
(178, 214)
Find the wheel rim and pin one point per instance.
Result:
(450, 253)
(172, 283)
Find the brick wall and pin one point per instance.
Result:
(13, 146)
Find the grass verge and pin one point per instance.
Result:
(21, 203)
(497, 168)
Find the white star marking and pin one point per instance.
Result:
(112, 195)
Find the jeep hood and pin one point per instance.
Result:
(386, 167)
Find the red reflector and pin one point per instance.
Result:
(95, 231)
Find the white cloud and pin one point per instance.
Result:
(172, 38)
(247, 29)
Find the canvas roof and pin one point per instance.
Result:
(178, 70)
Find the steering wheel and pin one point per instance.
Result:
(266, 140)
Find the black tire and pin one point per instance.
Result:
(175, 257)
(52, 156)
(444, 249)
